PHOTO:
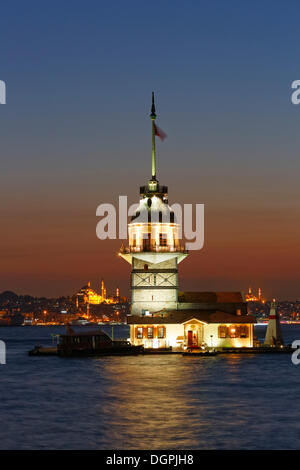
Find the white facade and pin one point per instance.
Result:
(192, 333)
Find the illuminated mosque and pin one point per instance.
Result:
(87, 295)
(162, 316)
(251, 297)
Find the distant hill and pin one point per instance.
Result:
(8, 296)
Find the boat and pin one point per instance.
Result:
(42, 351)
(81, 322)
(94, 343)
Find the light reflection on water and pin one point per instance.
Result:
(149, 404)
(157, 402)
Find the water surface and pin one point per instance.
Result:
(142, 402)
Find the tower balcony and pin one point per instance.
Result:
(153, 249)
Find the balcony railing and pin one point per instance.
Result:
(153, 248)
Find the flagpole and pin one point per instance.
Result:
(153, 116)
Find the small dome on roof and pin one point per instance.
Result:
(153, 209)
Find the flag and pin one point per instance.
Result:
(159, 132)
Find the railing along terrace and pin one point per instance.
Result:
(153, 248)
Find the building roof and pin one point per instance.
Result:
(153, 208)
(183, 316)
(71, 332)
(215, 297)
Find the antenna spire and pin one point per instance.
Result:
(153, 116)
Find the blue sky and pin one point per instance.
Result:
(76, 132)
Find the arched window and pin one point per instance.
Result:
(139, 332)
(161, 332)
(150, 332)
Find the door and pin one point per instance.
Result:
(192, 339)
(147, 242)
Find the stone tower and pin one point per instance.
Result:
(154, 249)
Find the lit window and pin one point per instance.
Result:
(233, 331)
(161, 332)
(222, 331)
(150, 332)
(244, 331)
(163, 239)
(139, 332)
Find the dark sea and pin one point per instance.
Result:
(160, 402)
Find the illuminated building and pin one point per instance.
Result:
(154, 250)
(161, 316)
(87, 295)
(251, 297)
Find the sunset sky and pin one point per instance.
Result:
(75, 133)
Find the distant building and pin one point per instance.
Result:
(87, 295)
(251, 297)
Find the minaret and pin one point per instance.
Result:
(259, 294)
(154, 249)
(273, 333)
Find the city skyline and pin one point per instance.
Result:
(75, 133)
